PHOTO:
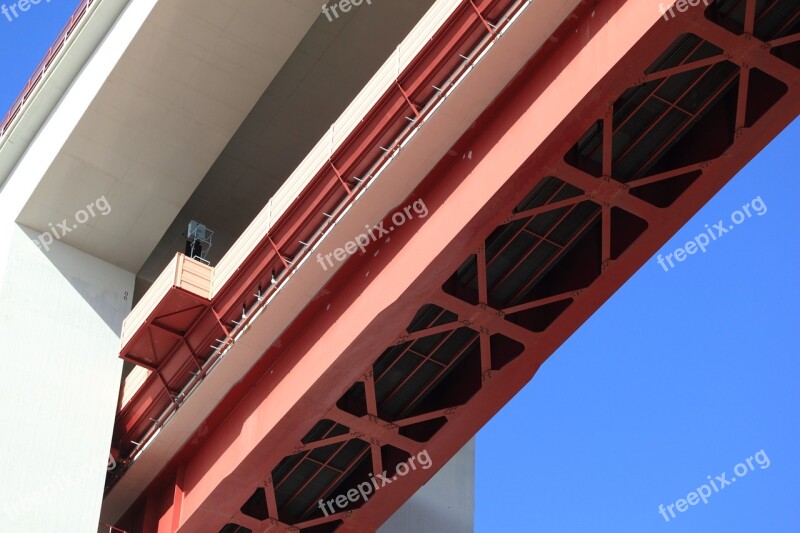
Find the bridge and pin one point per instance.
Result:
(504, 172)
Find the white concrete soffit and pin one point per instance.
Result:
(142, 100)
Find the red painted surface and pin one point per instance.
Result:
(183, 334)
(525, 136)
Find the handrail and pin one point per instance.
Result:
(113, 529)
(45, 64)
(261, 243)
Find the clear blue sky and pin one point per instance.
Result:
(681, 375)
(24, 41)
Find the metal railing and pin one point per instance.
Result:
(105, 528)
(45, 64)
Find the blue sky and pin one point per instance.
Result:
(679, 376)
(24, 41)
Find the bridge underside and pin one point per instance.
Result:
(597, 153)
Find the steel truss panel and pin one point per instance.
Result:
(593, 158)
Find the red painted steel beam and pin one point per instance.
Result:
(521, 139)
(463, 190)
(328, 193)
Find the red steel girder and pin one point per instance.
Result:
(521, 139)
(305, 220)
